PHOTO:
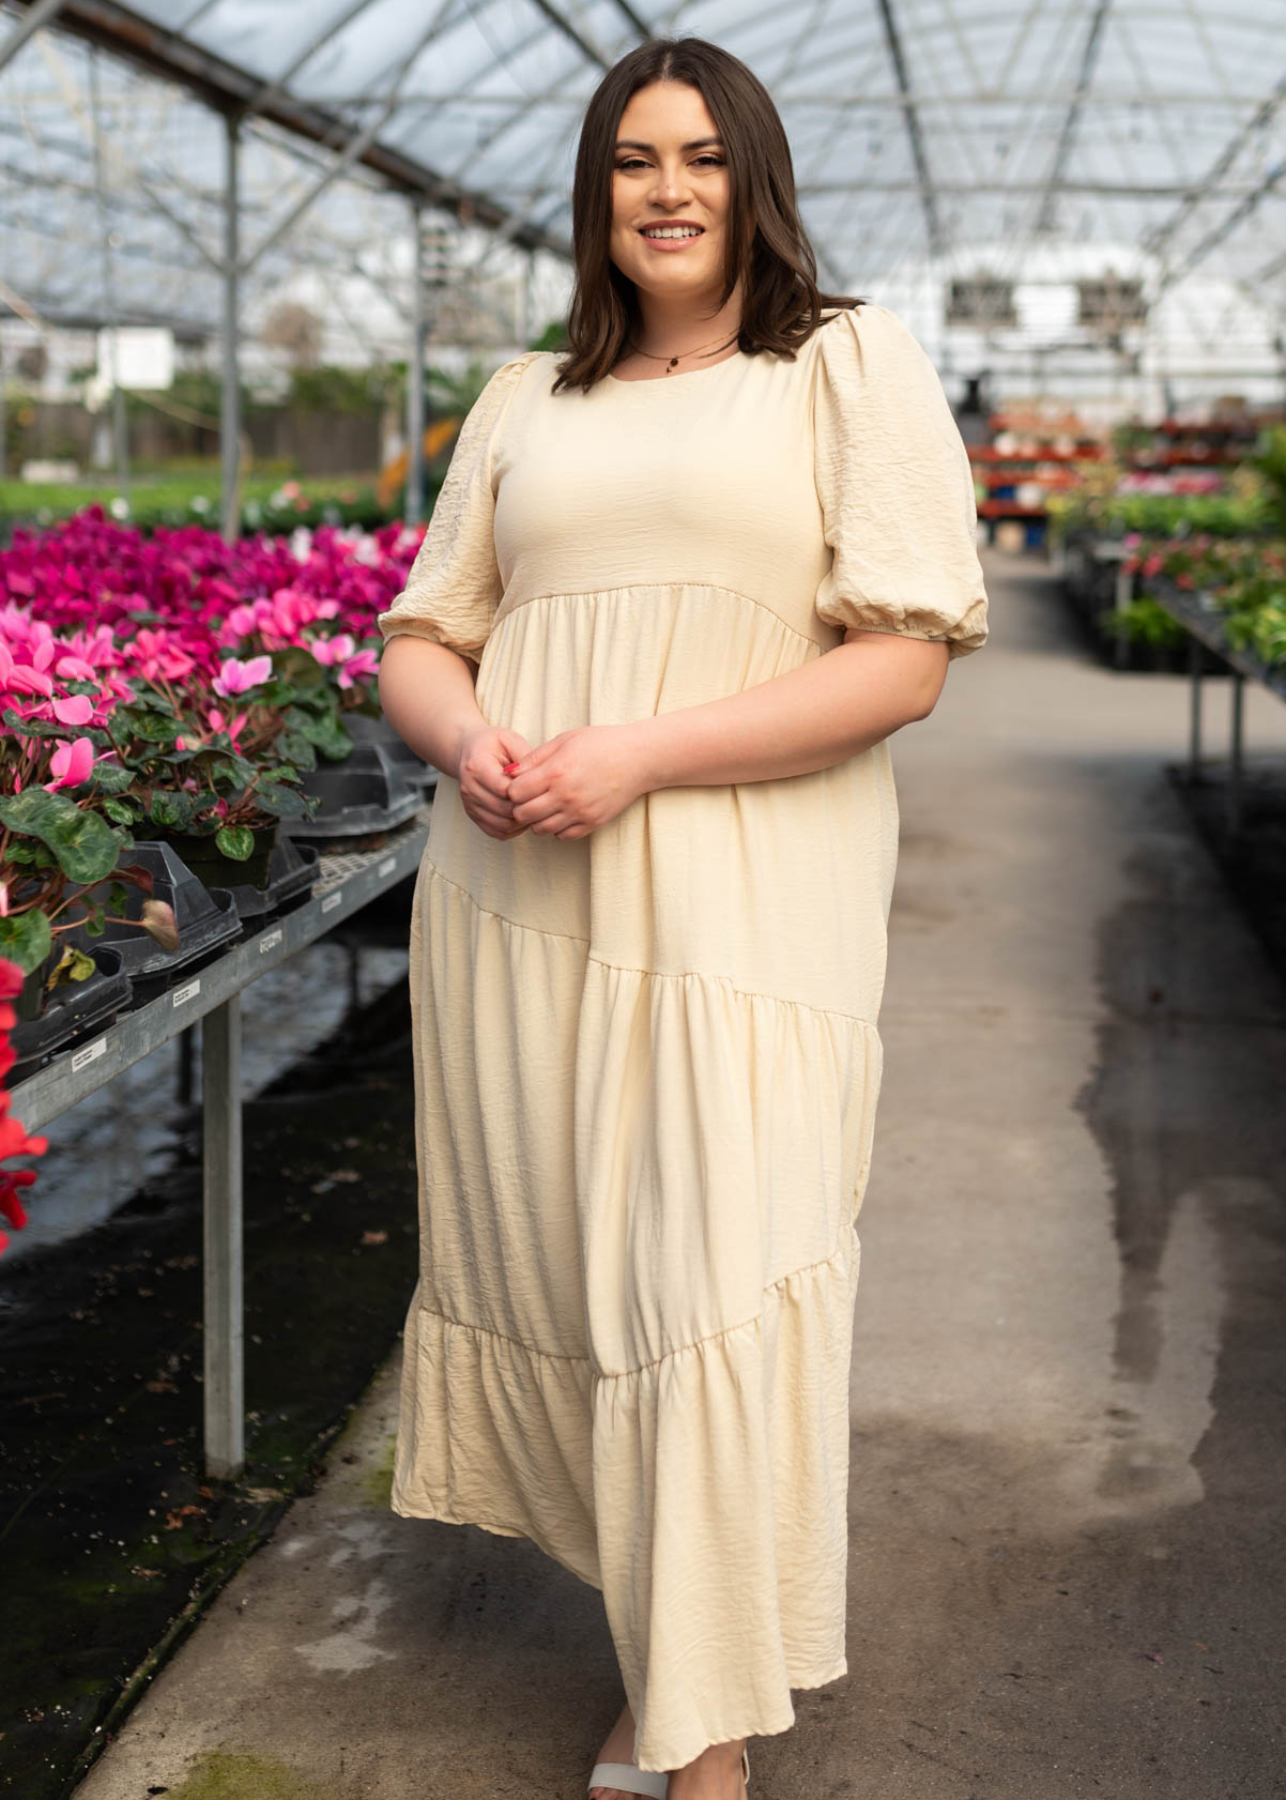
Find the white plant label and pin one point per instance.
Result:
(387, 866)
(184, 994)
(269, 941)
(91, 1053)
(331, 901)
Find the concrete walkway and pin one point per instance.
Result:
(1068, 1453)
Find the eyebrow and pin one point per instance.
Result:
(696, 144)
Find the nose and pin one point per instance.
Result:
(670, 186)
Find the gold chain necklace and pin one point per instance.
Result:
(651, 355)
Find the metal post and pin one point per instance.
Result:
(230, 414)
(120, 428)
(415, 375)
(1194, 731)
(224, 1262)
(1235, 753)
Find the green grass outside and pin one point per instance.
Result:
(188, 494)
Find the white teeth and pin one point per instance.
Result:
(671, 231)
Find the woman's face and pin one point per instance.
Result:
(670, 195)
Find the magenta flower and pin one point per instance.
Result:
(75, 709)
(236, 677)
(70, 764)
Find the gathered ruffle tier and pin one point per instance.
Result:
(662, 1404)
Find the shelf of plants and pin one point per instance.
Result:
(195, 782)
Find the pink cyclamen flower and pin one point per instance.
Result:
(74, 709)
(237, 677)
(70, 764)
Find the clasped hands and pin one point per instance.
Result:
(565, 787)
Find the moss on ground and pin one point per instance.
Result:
(240, 1775)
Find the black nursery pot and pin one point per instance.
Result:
(210, 866)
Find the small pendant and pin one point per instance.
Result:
(673, 361)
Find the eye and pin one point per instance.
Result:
(632, 162)
(711, 160)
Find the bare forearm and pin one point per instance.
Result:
(829, 709)
(427, 693)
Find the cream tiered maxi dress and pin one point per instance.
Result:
(646, 1059)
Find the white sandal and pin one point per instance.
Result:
(652, 1782)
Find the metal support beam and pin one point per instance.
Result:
(227, 86)
(224, 1333)
(1194, 710)
(928, 198)
(1157, 240)
(357, 146)
(414, 509)
(41, 14)
(1046, 219)
(230, 411)
(1213, 239)
(120, 425)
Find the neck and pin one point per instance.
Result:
(671, 327)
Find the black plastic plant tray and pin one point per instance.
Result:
(363, 729)
(206, 918)
(74, 1009)
(291, 873)
(366, 792)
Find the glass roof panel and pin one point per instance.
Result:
(960, 137)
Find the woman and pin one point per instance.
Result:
(706, 563)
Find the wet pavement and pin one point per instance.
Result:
(1069, 1446)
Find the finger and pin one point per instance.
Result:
(537, 809)
(532, 759)
(494, 815)
(555, 822)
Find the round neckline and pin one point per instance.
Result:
(683, 374)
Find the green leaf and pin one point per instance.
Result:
(297, 749)
(235, 841)
(85, 844)
(152, 727)
(280, 801)
(172, 811)
(298, 666)
(117, 899)
(123, 812)
(112, 778)
(95, 925)
(25, 939)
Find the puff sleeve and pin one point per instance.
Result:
(454, 586)
(896, 489)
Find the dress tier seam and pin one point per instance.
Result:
(631, 587)
(829, 1012)
(641, 1368)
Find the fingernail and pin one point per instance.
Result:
(510, 767)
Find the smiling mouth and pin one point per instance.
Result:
(671, 231)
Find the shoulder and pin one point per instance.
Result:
(865, 339)
(507, 379)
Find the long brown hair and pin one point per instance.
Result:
(766, 241)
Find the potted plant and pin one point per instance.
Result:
(63, 864)
(214, 766)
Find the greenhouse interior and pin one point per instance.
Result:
(259, 263)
